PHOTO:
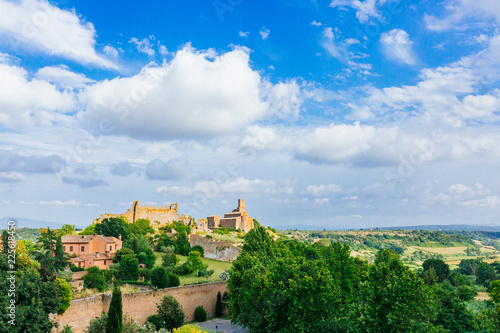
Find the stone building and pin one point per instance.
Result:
(162, 215)
(237, 219)
(91, 250)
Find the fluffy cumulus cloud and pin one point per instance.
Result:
(12, 162)
(195, 95)
(264, 33)
(63, 77)
(36, 24)
(25, 100)
(177, 168)
(461, 13)
(123, 168)
(464, 195)
(397, 46)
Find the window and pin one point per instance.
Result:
(104, 262)
(64, 248)
(111, 247)
(71, 248)
(115, 247)
(82, 249)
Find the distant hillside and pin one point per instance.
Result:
(450, 227)
(30, 223)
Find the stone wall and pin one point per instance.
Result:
(215, 249)
(140, 305)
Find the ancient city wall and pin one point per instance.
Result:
(140, 305)
(215, 249)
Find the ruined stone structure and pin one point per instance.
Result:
(237, 219)
(215, 249)
(140, 305)
(162, 215)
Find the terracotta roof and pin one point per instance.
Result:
(87, 239)
(93, 256)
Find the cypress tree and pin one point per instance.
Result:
(218, 306)
(115, 314)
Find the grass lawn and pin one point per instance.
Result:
(216, 265)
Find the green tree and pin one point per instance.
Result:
(129, 268)
(142, 226)
(98, 325)
(170, 312)
(458, 279)
(194, 261)
(182, 243)
(170, 260)
(393, 299)
(67, 229)
(115, 314)
(198, 248)
(200, 314)
(65, 292)
(35, 299)
(468, 266)
(97, 278)
(218, 306)
(121, 252)
(114, 227)
(160, 278)
(62, 258)
(89, 230)
(137, 243)
(485, 274)
(441, 269)
(452, 314)
(5, 241)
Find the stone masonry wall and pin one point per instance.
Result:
(215, 249)
(140, 305)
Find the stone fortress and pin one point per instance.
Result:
(237, 219)
(158, 216)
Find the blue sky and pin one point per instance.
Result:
(331, 114)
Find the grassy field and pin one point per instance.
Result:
(216, 265)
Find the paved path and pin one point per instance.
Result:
(222, 325)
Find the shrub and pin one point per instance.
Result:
(190, 329)
(65, 289)
(159, 277)
(155, 320)
(146, 273)
(75, 268)
(183, 269)
(97, 278)
(98, 325)
(200, 249)
(200, 314)
(170, 259)
(170, 312)
(466, 293)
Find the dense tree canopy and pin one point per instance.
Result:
(114, 226)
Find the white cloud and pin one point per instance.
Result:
(264, 33)
(11, 177)
(111, 51)
(240, 185)
(316, 24)
(364, 9)
(196, 95)
(29, 101)
(322, 190)
(63, 78)
(36, 24)
(61, 203)
(244, 34)
(490, 201)
(397, 46)
(331, 46)
(163, 50)
(177, 168)
(144, 45)
(460, 12)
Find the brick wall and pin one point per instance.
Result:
(140, 305)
